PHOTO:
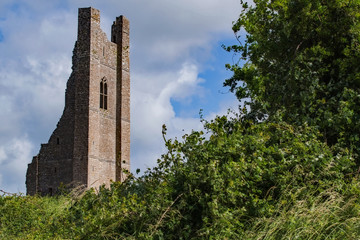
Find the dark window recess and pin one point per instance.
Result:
(103, 94)
(57, 141)
(50, 191)
(54, 170)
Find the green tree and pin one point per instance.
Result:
(299, 61)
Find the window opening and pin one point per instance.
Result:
(57, 141)
(103, 94)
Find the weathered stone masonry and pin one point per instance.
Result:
(91, 143)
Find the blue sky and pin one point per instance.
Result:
(177, 68)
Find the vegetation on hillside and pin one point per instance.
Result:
(284, 167)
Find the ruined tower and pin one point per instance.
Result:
(91, 143)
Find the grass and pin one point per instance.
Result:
(32, 217)
(329, 215)
(326, 216)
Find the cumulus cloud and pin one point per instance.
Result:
(151, 109)
(14, 157)
(169, 42)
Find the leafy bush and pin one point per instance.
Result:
(212, 187)
(238, 180)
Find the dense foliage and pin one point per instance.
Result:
(212, 188)
(302, 61)
(285, 167)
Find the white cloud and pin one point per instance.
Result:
(14, 157)
(151, 109)
(3, 155)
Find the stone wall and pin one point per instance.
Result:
(120, 35)
(90, 144)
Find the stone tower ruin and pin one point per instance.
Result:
(91, 143)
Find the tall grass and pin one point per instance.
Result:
(32, 217)
(329, 215)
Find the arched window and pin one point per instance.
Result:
(103, 94)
